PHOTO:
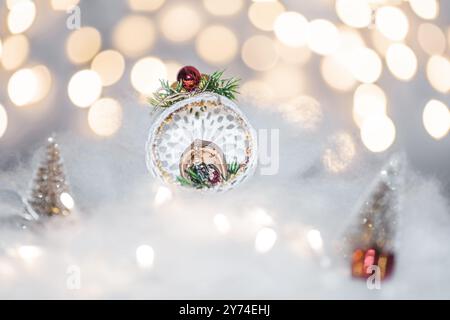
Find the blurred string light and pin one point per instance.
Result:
(338, 156)
(392, 23)
(146, 73)
(436, 119)
(84, 88)
(431, 39)
(145, 256)
(401, 61)
(378, 133)
(163, 195)
(265, 240)
(438, 73)
(217, 44)
(105, 117)
(30, 85)
(222, 223)
(3, 120)
(134, 35)
(223, 8)
(291, 28)
(21, 16)
(145, 5)
(425, 9)
(354, 13)
(293, 55)
(63, 5)
(16, 49)
(180, 23)
(323, 37)
(262, 14)
(110, 66)
(83, 44)
(365, 65)
(259, 53)
(304, 111)
(368, 100)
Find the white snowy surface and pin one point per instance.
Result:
(116, 213)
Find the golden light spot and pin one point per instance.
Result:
(263, 14)
(223, 8)
(44, 82)
(431, 38)
(323, 37)
(21, 16)
(338, 156)
(3, 120)
(368, 100)
(291, 28)
(217, 44)
(401, 61)
(365, 65)
(134, 35)
(145, 5)
(83, 44)
(436, 119)
(84, 88)
(109, 65)
(105, 117)
(146, 73)
(23, 87)
(259, 53)
(336, 73)
(354, 13)
(378, 133)
(63, 5)
(425, 9)
(303, 111)
(392, 23)
(438, 73)
(294, 55)
(15, 51)
(180, 23)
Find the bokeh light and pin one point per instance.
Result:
(431, 39)
(67, 200)
(436, 119)
(263, 14)
(223, 8)
(378, 133)
(222, 223)
(217, 44)
(259, 53)
(109, 65)
(162, 196)
(365, 65)
(426, 9)
(63, 5)
(304, 111)
(340, 152)
(180, 23)
(354, 13)
(3, 121)
(323, 37)
(83, 44)
(291, 28)
(146, 74)
(23, 87)
(1, 49)
(392, 23)
(368, 100)
(265, 240)
(105, 117)
(29, 253)
(438, 73)
(172, 68)
(258, 92)
(315, 239)
(293, 55)
(336, 73)
(21, 16)
(145, 256)
(15, 51)
(401, 61)
(276, 77)
(44, 82)
(84, 88)
(380, 42)
(145, 5)
(134, 35)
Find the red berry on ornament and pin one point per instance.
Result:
(189, 77)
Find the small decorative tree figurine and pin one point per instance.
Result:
(49, 195)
